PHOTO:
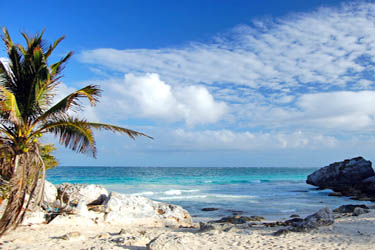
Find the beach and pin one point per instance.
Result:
(346, 233)
(191, 208)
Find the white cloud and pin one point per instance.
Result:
(231, 140)
(302, 81)
(151, 97)
(340, 110)
(329, 47)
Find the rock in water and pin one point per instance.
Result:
(350, 177)
(132, 209)
(348, 208)
(340, 174)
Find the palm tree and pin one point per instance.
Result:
(27, 83)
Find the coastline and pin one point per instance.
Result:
(346, 233)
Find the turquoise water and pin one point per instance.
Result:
(271, 192)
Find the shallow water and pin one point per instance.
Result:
(274, 193)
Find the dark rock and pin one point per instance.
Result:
(236, 212)
(339, 176)
(207, 209)
(255, 218)
(275, 224)
(358, 211)
(205, 227)
(294, 216)
(335, 194)
(235, 219)
(348, 208)
(294, 222)
(281, 232)
(324, 217)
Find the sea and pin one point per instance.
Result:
(274, 193)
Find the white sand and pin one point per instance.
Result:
(345, 233)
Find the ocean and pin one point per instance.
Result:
(274, 193)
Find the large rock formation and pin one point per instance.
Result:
(92, 204)
(354, 177)
(131, 209)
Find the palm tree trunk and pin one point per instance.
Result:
(16, 162)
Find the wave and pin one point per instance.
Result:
(144, 193)
(186, 197)
(180, 191)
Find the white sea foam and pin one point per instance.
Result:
(179, 191)
(228, 196)
(186, 197)
(144, 193)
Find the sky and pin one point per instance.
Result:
(263, 83)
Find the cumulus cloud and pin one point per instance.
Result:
(153, 98)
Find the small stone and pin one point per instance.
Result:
(208, 209)
(335, 194)
(71, 235)
(103, 236)
(281, 232)
(119, 240)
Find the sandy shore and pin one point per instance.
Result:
(346, 233)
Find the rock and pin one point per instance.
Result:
(335, 194)
(281, 232)
(294, 216)
(324, 217)
(132, 209)
(342, 176)
(256, 218)
(358, 211)
(232, 219)
(92, 194)
(294, 221)
(50, 193)
(205, 227)
(73, 220)
(72, 235)
(348, 208)
(103, 236)
(207, 209)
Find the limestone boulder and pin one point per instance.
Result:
(50, 192)
(90, 193)
(131, 209)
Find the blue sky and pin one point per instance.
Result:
(217, 83)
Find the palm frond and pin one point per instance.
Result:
(131, 133)
(73, 133)
(92, 92)
(8, 105)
